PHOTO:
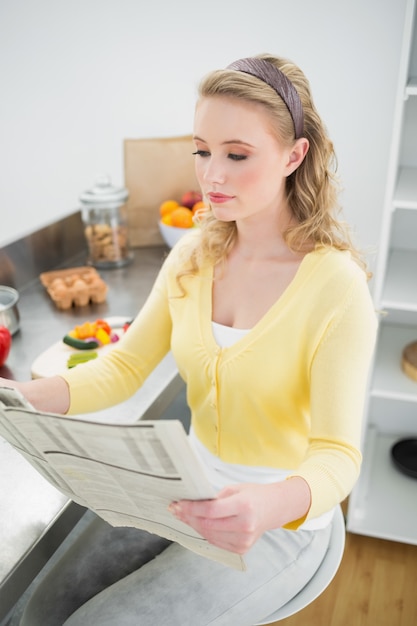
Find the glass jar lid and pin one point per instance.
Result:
(104, 193)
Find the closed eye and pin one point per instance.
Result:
(237, 157)
(202, 153)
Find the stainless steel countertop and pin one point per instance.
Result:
(30, 508)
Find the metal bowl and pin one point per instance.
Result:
(9, 313)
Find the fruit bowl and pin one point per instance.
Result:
(172, 234)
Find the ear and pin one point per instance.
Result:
(297, 154)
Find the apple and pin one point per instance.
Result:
(5, 343)
(189, 198)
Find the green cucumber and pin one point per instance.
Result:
(80, 357)
(80, 344)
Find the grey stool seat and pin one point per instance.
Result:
(321, 579)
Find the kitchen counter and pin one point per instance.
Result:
(34, 516)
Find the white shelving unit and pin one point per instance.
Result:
(384, 501)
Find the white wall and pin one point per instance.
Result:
(78, 77)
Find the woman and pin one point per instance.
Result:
(267, 311)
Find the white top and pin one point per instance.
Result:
(226, 336)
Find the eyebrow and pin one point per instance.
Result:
(229, 141)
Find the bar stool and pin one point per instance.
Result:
(321, 579)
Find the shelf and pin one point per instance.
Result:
(411, 88)
(405, 195)
(400, 289)
(384, 502)
(389, 381)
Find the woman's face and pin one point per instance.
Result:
(240, 165)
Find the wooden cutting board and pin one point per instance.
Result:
(54, 359)
(156, 169)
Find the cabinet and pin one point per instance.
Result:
(384, 501)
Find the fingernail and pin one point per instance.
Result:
(174, 508)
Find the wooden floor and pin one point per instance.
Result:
(376, 585)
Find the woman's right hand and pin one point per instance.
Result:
(45, 394)
(6, 382)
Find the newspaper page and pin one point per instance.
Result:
(127, 474)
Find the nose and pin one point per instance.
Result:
(213, 171)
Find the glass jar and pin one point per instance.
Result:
(103, 213)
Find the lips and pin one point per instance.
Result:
(218, 198)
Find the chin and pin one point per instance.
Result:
(223, 216)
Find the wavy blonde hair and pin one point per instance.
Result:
(312, 189)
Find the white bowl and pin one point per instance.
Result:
(172, 234)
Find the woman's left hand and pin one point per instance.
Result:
(235, 519)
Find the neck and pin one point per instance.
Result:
(259, 239)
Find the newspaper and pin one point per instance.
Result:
(127, 474)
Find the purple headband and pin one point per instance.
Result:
(270, 74)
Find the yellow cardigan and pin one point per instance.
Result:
(288, 395)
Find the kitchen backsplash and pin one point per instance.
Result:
(51, 247)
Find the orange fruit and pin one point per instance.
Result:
(199, 205)
(182, 217)
(167, 219)
(167, 207)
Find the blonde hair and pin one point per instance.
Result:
(312, 189)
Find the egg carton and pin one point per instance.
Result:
(75, 286)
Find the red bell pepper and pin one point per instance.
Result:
(5, 343)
